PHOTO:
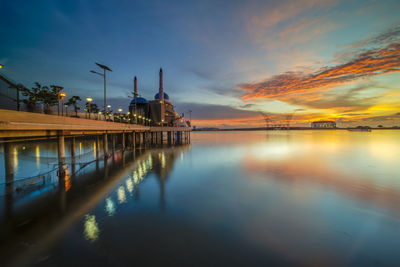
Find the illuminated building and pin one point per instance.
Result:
(160, 110)
(323, 124)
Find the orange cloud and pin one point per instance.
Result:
(373, 62)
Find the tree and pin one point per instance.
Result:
(380, 126)
(73, 101)
(49, 97)
(93, 107)
(33, 96)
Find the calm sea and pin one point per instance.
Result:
(279, 198)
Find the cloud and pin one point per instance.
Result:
(376, 61)
(348, 101)
(212, 112)
(283, 16)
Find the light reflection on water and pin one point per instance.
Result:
(325, 198)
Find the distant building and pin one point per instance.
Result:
(160, 110)
(323, 124)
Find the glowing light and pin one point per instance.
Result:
(121, 195)
(110, 207)
(89, 99)
(135, 177)
(80, 147)
(129, 185)
(67, 181)
(15, 157)
(94, 149)
(163, 163)
(37, 156)
(91, 229)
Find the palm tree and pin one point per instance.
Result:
(72, 101)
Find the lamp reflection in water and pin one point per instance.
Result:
(37, 154)
(110, 207)
(94, 149)
(67, 180)
(91, 229)
(15, 157)
(129, 185)
(121, 194)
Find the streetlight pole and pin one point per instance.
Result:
(190, 117)
(105, 68)
(89, 100)
(62, 95)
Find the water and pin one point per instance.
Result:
(325, 198)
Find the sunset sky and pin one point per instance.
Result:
(227, 61)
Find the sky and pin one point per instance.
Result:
(231, 62)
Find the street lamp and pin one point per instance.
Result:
(89, 100)
(61, 95)
(58, 90)
(190, 114)
(105, 68)
(1, 66)
(120, 110)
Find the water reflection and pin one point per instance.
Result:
(110, 207)
(74, 193)
(91, 228)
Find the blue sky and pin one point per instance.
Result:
(216, 55)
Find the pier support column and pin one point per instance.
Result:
(61, 155)
(73, 144)
(9, 167)
(123, 141)
(73, 154)
(113, 143)
(97, 146)
(105, 145)
(169, 138)
(161, 138)
(133, 140)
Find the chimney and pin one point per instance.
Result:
(135, 92)
(161, 89)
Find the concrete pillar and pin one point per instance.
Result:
(161, 138)
(61, 155)
(105, 145)
(113, 143)
(73, 154)
(73, 144)
(133, 140)
(169, 138)
(123, 141)
(97, 146)
(8, 163)
(179, 137)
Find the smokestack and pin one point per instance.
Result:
(135, 92)
(161, 89)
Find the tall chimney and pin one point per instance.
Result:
(135, 92)
(161, 89)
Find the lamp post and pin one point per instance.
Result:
(89, 100)
(58, 90)
(1, 66)
(190, 117)
(61, 96)
(105, 68)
